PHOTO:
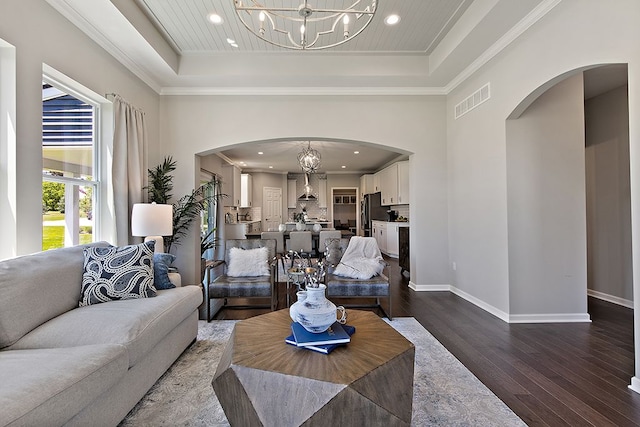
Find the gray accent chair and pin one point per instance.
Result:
(323, 239)
(301, 242)
(278, 236)
(344, 287)
(226, 287)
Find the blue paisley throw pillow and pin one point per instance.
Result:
(117, 273)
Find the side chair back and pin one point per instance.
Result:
(225, 287)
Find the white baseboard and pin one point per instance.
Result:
(473, 300)
(429, 288)
(483, 305)
(505, 317)
(635, 384)
(550, 318)
(610, 298)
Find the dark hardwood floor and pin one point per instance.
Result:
(573, 374)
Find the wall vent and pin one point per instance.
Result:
(471, 102)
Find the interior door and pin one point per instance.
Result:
(271, 208)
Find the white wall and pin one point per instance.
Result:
(546, 206)
(608, 195)
(196, 124)
(573, 36)
(41, 35)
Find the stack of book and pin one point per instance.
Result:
(324, 342)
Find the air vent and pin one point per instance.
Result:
(471, 102)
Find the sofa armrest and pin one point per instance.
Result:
(176, 279)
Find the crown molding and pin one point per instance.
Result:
(534, 16)
(303, 91)
(69, 12)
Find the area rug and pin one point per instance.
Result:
(445, 392)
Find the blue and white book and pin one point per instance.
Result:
(334, 335)
(323, 348)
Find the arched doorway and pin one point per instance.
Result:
(568, 196)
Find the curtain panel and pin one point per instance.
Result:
(129, 143)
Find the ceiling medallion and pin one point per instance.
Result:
(304, 27)
(309, 159)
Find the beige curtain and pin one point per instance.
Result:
(129, 142)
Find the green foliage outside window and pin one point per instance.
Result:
(52, 196)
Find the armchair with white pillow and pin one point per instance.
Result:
(248, 272)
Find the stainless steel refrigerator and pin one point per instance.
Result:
(370, 210)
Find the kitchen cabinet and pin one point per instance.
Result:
(389, 185)
(394, 184)
(246, 190)
(231, 186)
(392, 239)
(403, 183)
(387, 236)
(322, 193)
(377, 182)
(292, 195)
(379, 231)
(366, 185)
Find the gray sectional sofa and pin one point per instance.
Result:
(61, 364)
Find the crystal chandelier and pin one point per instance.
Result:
(302, 27)
(309, 159)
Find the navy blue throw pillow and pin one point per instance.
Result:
(161, 264)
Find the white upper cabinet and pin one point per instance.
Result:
(403, 183)
(246, 190)
(394, 184)
(292, 195)
(389, 185)
(366, 185)
(231, 185)
(377, 182)
(322, 193)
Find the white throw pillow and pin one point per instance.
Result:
(248, 262)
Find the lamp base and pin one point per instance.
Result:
(159, 248)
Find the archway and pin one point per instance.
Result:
(555, 230)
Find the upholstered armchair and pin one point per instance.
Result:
(248, 272)
(340, 286)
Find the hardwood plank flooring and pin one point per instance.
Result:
(573, 374)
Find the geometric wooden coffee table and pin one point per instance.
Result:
(260, 380)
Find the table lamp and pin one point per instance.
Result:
(152, 221)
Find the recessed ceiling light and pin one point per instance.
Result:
(260, 152)
(392, 19)
(270, 167)
(343, 167)
(215, 18)
(356, 152)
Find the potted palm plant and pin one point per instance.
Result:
(187, 208)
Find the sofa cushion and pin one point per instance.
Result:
(228, 287)
(38, 287)
(137, 324)
(55, 384)
(117, 273)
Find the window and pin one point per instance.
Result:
(69, 159)
(209, 217)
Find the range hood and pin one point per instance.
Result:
(307, 195)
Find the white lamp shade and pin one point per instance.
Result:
(151, 219)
